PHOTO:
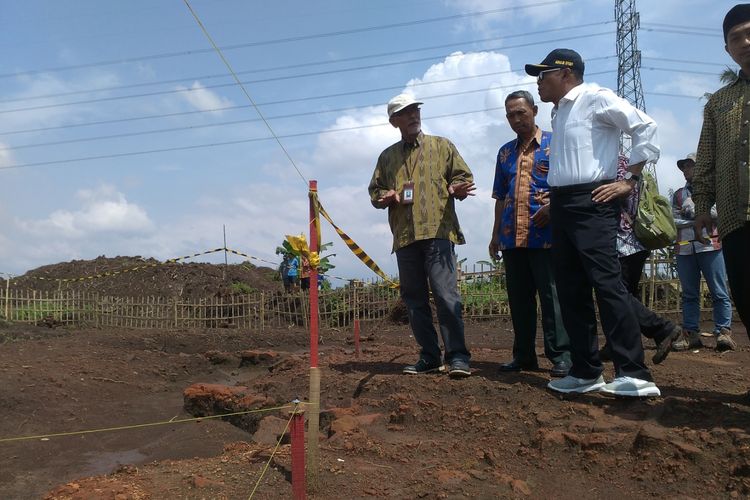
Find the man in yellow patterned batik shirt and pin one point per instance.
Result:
(418, 180)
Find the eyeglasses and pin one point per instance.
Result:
(541, 74)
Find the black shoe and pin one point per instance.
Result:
(422, 366)
(664, 346)
(459, 369)
(560, 369)
(517, 366)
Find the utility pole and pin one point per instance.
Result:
(629, 63)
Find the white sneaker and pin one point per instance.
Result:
(631, 387)
(571, 384)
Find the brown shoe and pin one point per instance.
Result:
(665, 345)
(688, 341)
(724, 341)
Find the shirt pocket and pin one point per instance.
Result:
(728, 118)
(578, 135)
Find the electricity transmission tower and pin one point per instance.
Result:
(629, 63)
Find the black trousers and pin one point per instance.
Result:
(585, 258)
(651, 324)
(528, 273)
(736, 247)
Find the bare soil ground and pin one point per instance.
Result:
(383, 434)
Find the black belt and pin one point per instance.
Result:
(579, 188)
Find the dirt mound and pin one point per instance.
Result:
(139, 277)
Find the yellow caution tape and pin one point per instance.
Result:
(146, 266)
(115, 273)
(275, 264)
(357, 250)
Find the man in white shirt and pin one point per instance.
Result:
(586, 123)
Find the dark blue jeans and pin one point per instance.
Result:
(433, 261)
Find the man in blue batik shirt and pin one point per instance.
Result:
(521, 231)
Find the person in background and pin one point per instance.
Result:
(633, 255)
(304, 275)
(521, 231)
(418, 180)
(693, 259)
(284, 272)
(293, 272)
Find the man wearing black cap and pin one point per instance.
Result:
(722, 165)
(418, 180)
(586, 123)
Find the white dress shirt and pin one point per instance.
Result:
(586, 126)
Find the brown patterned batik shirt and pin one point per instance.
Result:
(432, 163)
(722, 166)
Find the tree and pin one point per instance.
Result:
(728, 76)
(725, 77)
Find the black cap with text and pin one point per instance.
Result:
(558, 58)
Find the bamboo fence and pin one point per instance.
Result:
(483, 293)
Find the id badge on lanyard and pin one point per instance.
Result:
(407, 193)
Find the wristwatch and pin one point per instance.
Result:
(630, 175)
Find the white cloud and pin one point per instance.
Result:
(6, 155)
(676, 140)
(38, 111)
(348, 158)
(203, 99)
(688, 85)
(516, 10)
(103, 210)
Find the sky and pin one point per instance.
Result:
(123, 131)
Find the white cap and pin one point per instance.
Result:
(681, 163)
(400, 102)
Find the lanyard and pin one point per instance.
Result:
(410, 169)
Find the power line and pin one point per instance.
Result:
(223, 85)
(292, 115)
(307, 64)
(667, 94)
(298, 38)
(683, 61)
(257, 139)
(236, 107)
(248, 120)
(675, 26)
(651, 68)
(681, 32)
(244, 91)
(308, 98)
(225, 143)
